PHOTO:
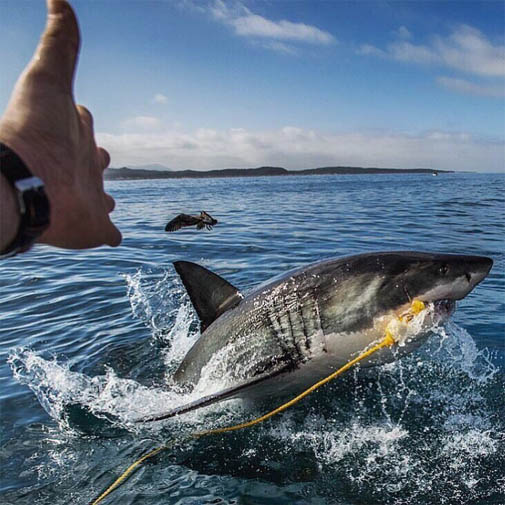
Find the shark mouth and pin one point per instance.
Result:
(440, 310)
(410, 326)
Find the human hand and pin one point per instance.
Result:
(55, 138)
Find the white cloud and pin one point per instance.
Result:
(160, 98)
(405, 51)
(469, 50)
(403, 33)
(279, 47)
(472, 88)
(295, 148)
(143, 123)
(245, 23)
(466, 49)
(369, 50)
(257, 26)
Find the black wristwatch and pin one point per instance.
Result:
(33, 204)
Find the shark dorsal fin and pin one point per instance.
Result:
(210, 294)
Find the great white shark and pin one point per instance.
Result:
(295, 330)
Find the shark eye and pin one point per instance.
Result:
(444, 269)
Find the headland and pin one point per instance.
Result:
(125, 173)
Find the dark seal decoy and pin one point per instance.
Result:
(204, 220)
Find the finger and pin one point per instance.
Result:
(104, 157)
(113, 237)
(58, 48)
(110, 203)
(86, 116)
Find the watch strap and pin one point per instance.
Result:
(32, 200)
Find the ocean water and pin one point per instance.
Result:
(88, 341)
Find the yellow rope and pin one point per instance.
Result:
(126, 473)
(416, 307)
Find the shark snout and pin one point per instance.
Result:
(478, 269)
(455, 277)
(475, 269)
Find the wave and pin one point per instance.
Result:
(424, 426)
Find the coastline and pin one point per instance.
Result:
(126, 173)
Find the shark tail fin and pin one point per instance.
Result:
(210, 294)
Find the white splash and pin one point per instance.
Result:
(120, 400)
(155, 297)
(458, 347)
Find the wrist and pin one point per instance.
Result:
(14, 136)
(25, 207)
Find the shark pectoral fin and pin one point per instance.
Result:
(224, 394)
(188, 407)
(210, 294)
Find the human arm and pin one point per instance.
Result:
(55, 139)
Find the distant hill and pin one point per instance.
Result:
(152, 166)
(141, 173)
(369, 170)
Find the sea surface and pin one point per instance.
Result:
(89, 339)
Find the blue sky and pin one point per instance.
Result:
(218, 83)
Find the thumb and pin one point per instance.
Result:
(56, 54)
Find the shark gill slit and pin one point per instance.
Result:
(318, 327)
(308, 314)
(275, 324)
(287, 336)
(293, 323)
(302, 324)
